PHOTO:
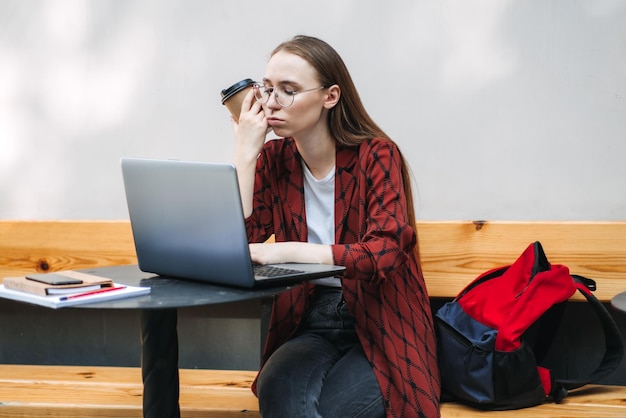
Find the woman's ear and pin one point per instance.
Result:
(333, 93)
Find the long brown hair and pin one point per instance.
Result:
(348, 121)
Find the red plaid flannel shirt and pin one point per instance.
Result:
(383, 285)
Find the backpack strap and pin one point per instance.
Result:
(614, 346)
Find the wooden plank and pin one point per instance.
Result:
(94, 375)
(453, 252)
(46, 246)
(543, 411)
(54, 410)
(591, 400)
(78, 391)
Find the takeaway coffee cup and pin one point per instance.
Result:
(233, 96)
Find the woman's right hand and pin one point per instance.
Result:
(250, 131)
(250, 134)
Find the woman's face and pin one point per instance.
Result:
(286, 73)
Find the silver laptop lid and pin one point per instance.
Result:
(187, 220)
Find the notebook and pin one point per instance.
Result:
(187, 222)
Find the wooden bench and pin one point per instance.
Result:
(452, 254)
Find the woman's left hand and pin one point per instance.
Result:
(267, 253)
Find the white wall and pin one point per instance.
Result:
(505, 109)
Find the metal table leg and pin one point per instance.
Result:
(159, 363)
(266, 313)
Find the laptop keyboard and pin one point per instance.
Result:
(265, 271)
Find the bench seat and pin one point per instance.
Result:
(29, 391)
(79, 391)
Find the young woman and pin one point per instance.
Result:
(334, 189)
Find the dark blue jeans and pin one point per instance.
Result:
(322, 371)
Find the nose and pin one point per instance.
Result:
(272, 102)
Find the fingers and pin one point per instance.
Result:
(250, 103)
(264, 253)
(251, 107)
(251, 117)
(249, 100)
(251, 129)
(256, 253)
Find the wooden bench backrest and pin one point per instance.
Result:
(453, 253)
(46, 246)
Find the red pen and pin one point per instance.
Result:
(93, 292)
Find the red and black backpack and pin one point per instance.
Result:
(494, 336)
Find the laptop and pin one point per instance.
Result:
(187, 222)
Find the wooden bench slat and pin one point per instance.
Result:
(78, 375)
(79, 391)
(591, 400)
(543, 411)
(453, 252)
(117, 391)
(42, 246)
(53, 410)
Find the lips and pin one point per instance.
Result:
(274, 121)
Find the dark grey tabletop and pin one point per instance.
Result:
(169, 292)
(619, 302)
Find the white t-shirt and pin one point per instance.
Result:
(319, 201)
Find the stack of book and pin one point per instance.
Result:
(66, 288)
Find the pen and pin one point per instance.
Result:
(93, 292)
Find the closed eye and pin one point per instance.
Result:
(287, 91)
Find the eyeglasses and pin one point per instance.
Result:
(284, 95)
